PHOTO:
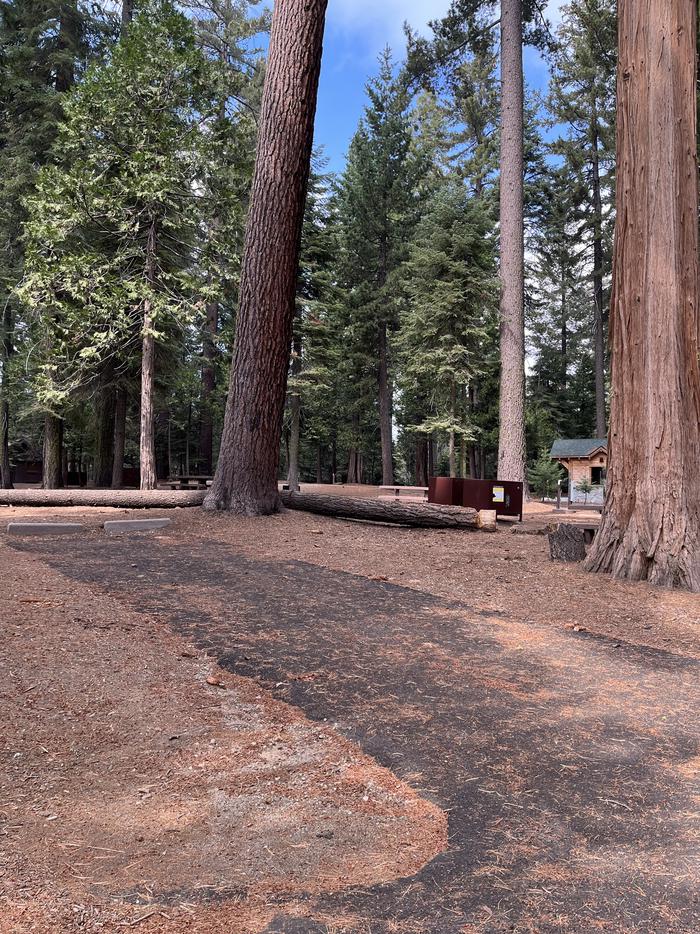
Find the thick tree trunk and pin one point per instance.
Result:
(564, 327)
(452, 451)
(246, 475)
(127, 15)
(422, 515)
(104, 431)
(5, 468)
(385, 408)
(53, 453)
(650, 528)
(147, 439)
(119, 438)
(598, 330)
(294, 419)
(421, 473)
(511, 442)
(206, 424)
(121, 499)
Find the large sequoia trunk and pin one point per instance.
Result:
(511, 442)
(246, 475)
(421, 515)
(650, 527)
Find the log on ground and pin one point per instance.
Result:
(121, 499)
(420, 515)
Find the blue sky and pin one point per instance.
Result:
(356, 32)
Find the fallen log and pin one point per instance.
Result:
(121, 499)
(419, 515)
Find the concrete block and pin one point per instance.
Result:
(44, 528)
(123, 526)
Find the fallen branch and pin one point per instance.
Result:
(419, 515)
(121, 499)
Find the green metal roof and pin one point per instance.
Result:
(577, 447)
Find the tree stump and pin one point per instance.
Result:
(567, 543)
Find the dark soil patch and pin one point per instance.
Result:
(568, 765)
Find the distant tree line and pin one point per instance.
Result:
(126, 159)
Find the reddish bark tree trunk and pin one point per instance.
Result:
(246, 475)
(650, 528)
(511, 443)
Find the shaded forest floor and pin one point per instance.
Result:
(299, 724)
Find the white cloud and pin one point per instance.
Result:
(553, 11)
(380, 22)
(376, 23)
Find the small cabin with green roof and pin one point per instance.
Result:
(586, 461)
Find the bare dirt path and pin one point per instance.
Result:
(142, 785)
(566, 761)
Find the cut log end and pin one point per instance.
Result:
(567, 543)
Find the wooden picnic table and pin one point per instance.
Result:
(190, 481)
(396, 491)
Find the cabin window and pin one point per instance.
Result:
(597, 475)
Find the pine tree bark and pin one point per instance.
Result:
(246, 475)
(598, 330)
(650, 528)
(6, 349)
(120, 405)
(127, 15)
(421, 456)
(452, 451)
(104, 430)
(147, 440)
(53, 453)
(294, 419)
(5, 467)
(385, 408)
(206, 418)
(511, 442)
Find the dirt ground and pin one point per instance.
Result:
(299, 724)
